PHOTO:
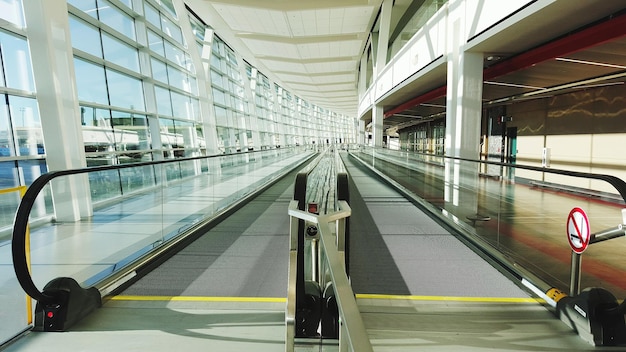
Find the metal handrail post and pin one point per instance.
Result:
(353, 335)
(574, 283)
(604, 235)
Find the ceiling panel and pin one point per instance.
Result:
(329, 67)
(264, 48)
(333, 78)
(303, 79)
(254, 19)
(334, 49)
(281, 66)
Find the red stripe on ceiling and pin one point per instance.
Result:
(586, 38)
(433, 94)
(611, 29)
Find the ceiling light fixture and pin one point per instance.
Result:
(411, 116)
(563, 87)
(602, 85)
(590, 63)
(512, 85)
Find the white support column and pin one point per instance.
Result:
(377, 126)
(382, 43)
(463, 118)
(464, 88)
(203, 77)
(50, 46)
(254, 117)
(206, 105)
(361, 133)
(362, 88)
(464, 105)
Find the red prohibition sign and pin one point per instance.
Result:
(578, 230)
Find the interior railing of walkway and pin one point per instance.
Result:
(88, 252)
(536, 222)
(321, 305)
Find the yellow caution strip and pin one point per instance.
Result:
(555, 294)
(451, 298)
(200, 299)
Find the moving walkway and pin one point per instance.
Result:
(394, 303)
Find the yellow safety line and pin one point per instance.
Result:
(199, 299)
(359, 296)
(451, 298)
(21, 189)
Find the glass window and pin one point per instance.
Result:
(116, 19)
(85, 37)
(27, 124)
(195, 109)
(152, 15)
(131, 132)
(223, 138)
(172, 30)
(16, 60)
(91, 82)
(135, 123)
(168, 133)
(188, 64)
(185, 128)
(178, 79)
(216, 63)
(181, 105)
(221, 116)
(94, 117)
(218, 46)
(193, 86)
(197, 28)
(168, 6)
(159, 70)
(97, 131)
(155, 42)
(128, 3)
(200, 136)
(125, 91)
(174, 54)
(8, 175)
(164, 103)
(11, 11)
(32, 169)
(239, 91)
(87, 6)
(216, 79)
(237, 103)
(2, 82)
(219, 97)
(120, 53)
(232, 59)
(6, 131)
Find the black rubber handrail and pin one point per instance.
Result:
(299, 194)
(614, 181)
(18, 245)
(343, 193)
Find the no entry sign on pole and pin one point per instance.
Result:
(578, 230)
